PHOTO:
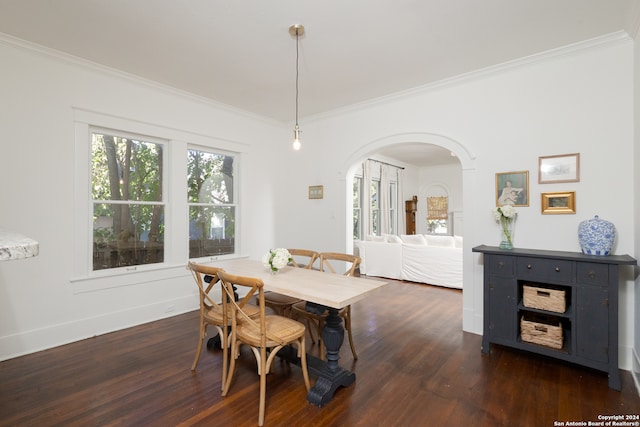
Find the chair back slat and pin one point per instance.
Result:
(309, 255)
(234, 310)
(199, 271)
(327, 258)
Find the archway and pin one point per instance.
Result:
(464, 155)
(471, 302)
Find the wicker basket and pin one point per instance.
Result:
(540, 329)
(550, 299)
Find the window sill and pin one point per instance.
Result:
(121, 277)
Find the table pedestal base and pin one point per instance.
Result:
(326, 385)
(330, 374)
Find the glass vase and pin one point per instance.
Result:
(506, 233)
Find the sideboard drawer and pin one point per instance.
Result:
(500, 265)
(592, 273)
(546, 270)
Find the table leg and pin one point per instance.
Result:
(331, 375)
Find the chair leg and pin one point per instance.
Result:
(263, 384)
(232, 367)
(296, 316)
(302, 354)
(313, 340)
(202, 335)
(224, 343)
(347, 325)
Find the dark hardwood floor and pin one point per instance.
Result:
(415, 367)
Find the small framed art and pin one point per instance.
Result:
(316, 192)
(512, 188)
(558, 203)
(561, 168)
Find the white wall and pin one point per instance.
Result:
(496, 121)
(577, 100)
(40, 306)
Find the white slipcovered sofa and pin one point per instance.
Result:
(436, 260)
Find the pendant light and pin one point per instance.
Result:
(296, 30)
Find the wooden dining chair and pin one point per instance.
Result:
(268, 332)
(328, 263)
(279, 303)
(211, 313)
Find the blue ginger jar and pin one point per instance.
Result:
(596, 236)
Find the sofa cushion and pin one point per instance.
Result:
(374, 238)
(414, 239)
(393, 239)
(440, 241)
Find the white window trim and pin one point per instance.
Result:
(359, 208)
(165, 202)
(235, 204)
(175, 177)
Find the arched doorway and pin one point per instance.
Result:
(471, 301)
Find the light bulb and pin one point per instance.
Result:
(296, 138)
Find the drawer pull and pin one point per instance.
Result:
(500, 264)
(592, 274)
(557, 269)
(529, 266)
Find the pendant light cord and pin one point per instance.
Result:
(297, 30)
(297, 73)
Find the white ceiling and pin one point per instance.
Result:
(240, 52)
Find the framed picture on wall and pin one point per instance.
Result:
(316, 192)
(558, 203)
(561, 168)
(512, 188)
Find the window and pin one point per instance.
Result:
(147, 198)
(357, 210)
(127, 199)
(361, 223)
(212, 212)
(375, 207)
(437, 215)
(393, 208)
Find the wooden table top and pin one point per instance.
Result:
(332, 290)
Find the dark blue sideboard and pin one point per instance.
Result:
(590, 320)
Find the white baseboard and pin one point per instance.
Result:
(625, 357)
(55, 335)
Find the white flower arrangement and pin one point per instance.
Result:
(276, 259)
(505, 211)
(506, 214)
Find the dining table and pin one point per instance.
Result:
(334, 291)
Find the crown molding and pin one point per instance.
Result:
(633, 19)
(600, 42)
(604, 41)
(50, 53)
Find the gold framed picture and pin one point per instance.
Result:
(561, 168)
(316, 192)
(558, 203)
